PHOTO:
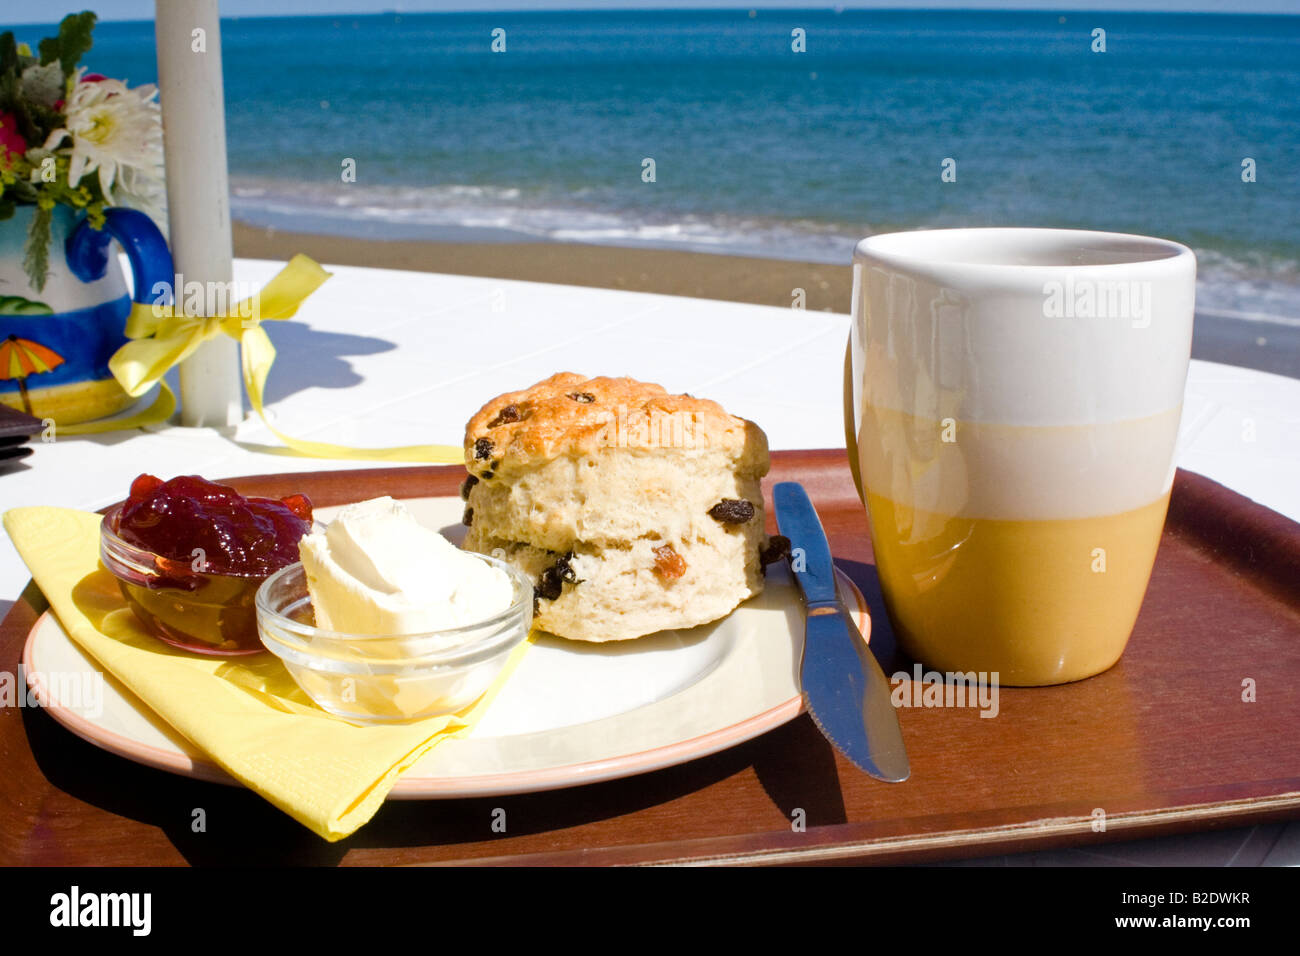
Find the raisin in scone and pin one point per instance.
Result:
(632, 509)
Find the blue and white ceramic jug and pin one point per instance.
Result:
(55, 342)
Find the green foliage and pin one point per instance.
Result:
(73, 41)
(12, 102)
(8, 53)
(22, 191)
(36, 251)
(34, 122)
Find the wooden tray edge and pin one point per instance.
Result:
(827, 848)
(1258, 542)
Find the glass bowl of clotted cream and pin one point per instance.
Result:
(385, 620)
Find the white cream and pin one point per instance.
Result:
(376, 570)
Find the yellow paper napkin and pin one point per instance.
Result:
(246, 714)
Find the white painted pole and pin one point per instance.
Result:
(190, 88)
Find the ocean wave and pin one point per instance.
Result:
(1255, 286)
(451, 212)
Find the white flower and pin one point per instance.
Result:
(145, 192)
(114, 130)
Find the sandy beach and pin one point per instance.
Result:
(1267, 346)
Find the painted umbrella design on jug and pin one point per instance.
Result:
(20, 358)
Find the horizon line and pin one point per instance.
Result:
(684, 8)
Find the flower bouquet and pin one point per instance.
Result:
(73, 139)
(81, 164)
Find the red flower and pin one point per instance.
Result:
(12, 146)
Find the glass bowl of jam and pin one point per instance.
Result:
(189, 555)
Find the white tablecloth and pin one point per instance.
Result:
(382, 357)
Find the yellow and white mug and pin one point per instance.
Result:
(1012, 406)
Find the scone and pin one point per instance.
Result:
(632, 509)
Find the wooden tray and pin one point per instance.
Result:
(1161, 743)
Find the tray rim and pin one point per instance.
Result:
(887, 849)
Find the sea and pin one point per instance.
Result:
(776, 133)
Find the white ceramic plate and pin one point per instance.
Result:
(571, 713)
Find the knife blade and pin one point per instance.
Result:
(846, 692)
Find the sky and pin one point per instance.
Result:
(48, 11)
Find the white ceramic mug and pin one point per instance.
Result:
(1012, 403)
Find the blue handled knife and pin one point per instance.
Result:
(846, 692)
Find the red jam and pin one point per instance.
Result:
(235, 535)
(209, 549)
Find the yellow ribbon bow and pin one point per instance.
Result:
(160, 337)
